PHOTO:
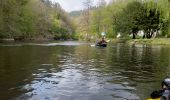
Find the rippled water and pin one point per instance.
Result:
(77, 71)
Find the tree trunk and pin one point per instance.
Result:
(134, 37)
(144, 36)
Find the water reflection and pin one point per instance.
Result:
(74, 72)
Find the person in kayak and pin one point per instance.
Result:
(164, 93)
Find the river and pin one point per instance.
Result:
(77, 71)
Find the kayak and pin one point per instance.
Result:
(153, 99)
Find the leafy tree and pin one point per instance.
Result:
(140, 16)
(86, 17)
(130, 20)
(97, 25)
(151, 23)
(24, 19)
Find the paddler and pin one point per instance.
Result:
(164, 93)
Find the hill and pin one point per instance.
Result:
(75, 13)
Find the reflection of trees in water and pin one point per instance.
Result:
(134, 55)
(137, 57)
(18, 64)
(142, 64)
(91, 57)
(163, 63)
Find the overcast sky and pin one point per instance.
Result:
(71, 5)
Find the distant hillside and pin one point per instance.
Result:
(75, 13)
(78, 12)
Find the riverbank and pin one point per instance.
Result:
(35, 39)
(155, 41)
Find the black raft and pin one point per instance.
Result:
(101, 44)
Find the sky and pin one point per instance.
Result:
(72, 5)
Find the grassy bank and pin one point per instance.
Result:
(156, 41)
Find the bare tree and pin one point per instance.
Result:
(1, 13)
(99, 17)
(86, 17)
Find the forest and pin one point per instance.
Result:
(44, 19)
(125, 17)
(34, 19)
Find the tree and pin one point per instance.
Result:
(1, 17)
(151, 23)
(24, 19)
(86, 17)
(157, 17)
(164, 8)
(130, 19)
(98, 17)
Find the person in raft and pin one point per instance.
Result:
(102, 41)
(164, 93)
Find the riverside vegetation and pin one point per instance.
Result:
(32, 19)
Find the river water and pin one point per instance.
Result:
(77, 71)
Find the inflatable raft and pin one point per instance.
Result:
(153, 99)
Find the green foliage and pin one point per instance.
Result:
(129, 17)
(62, 34)
(33, 18)
(75, 13)
(42, 18)
(130, 20)
(164, 7)
(25, 23)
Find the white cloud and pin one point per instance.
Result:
(71, 5)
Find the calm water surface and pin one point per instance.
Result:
(77, 71)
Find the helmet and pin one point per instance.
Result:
(166, 82)
(166, 88)
(165, 95)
